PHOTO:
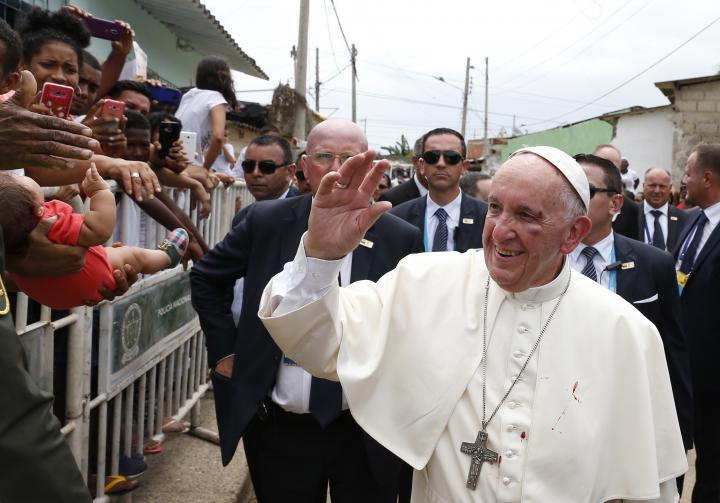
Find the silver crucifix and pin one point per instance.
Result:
(480, 453)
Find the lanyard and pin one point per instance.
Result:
(612, 279)
(647, 231)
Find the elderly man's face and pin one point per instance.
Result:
(657, 187)
(528, 229)
(341, 139)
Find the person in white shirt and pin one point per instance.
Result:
(498, 375)
(202, 108)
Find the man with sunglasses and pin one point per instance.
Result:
(500, 374)
(627, 221)
(641, 274)
(449, 219)
(298, 433)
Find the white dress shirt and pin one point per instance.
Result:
(292, 385)
(431, 221)
(423, 191)
(601, 259)
(649, 225)
(713, 215)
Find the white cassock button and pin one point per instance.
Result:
(511, 427)
(522, 329)
(512, 405)
(506, 481)
(518, 354)
(513, 378)
(510, 453)
(526, 307)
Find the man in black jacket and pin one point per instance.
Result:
(698, 264)
(627, 221)
(641, 274)
(297, 431)
(447, 218)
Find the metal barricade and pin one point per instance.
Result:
(131, 364)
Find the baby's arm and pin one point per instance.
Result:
(100, 220)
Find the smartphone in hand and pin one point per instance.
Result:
(169, 134)
(57, 98)
(112, 108)
(101, 28)
(189, 141)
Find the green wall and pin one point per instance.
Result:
(156, 39)
(581, 137)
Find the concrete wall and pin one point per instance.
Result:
(160, 44)
(646, 139)
(578, 138)
(697, 120)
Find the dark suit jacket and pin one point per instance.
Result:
(467, 235)
(627, 222)
(677, 219)
(257, 248)
(403, 192)
(700, 300)
(654, 276)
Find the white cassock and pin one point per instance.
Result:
(591, 419)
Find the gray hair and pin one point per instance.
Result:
(468, 182)
(571, 201)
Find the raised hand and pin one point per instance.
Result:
(341, 212)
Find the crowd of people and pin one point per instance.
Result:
(565, 352)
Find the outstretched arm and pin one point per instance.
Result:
(100, 220)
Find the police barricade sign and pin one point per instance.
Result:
(143, 327)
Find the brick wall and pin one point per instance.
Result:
(697, 120)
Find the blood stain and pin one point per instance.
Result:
(522, 436)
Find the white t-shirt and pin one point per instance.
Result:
(194, 112)
(221, 164)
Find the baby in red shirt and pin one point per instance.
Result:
(23, 206)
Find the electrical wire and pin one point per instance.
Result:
(642, 72)
(327, 23)
(332, 2)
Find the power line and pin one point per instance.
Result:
(327, 23)
(332, 2)
(645, 70)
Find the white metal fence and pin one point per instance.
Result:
(131, 364)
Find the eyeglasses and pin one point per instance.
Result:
(595, 190)
(433, 156)
(266, 167)
(326, 158)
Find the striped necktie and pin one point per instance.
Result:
(589, 270)
(441, 232)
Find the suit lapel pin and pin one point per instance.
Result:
(469, 221)
(367, 243)
(673, 218)
(627, 265)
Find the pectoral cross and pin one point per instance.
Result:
(480, 453)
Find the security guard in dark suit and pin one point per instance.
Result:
(35, 461)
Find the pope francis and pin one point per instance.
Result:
(498, 374)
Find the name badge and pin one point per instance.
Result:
(627, 265)
(367, 243)
(469, 221)
(673, 218)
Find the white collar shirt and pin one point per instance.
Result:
(423, 191)
(601, 260)
(431, 221)
(649, 222)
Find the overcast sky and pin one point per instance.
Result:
(546, 58)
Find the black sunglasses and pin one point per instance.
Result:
(433, 156)
(266, 167)
(595, 190)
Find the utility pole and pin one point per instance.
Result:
(465, 97)
(353, 55)
(317, 79)
(301, 71)
(486, 144)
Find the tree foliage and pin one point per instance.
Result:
(400, 149)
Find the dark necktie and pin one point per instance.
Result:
(589, 270)
(658, 240)
(441, 233)
(688, 257)
(325, 397)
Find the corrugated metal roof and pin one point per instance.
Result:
(193, 23)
